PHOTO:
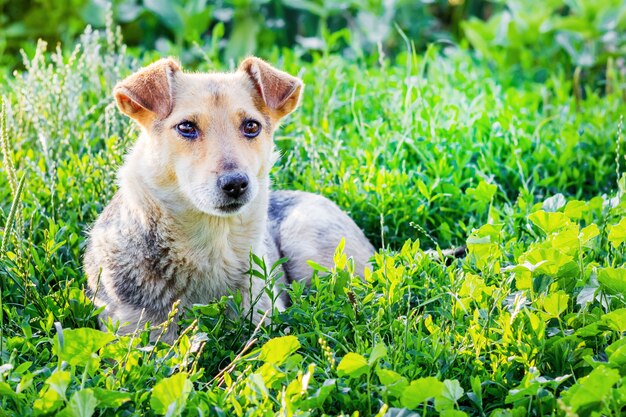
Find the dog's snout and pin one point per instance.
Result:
(233, 184)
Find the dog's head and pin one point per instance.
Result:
(209, 135)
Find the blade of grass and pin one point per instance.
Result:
(9, 224)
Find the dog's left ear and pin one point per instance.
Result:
(279, 90)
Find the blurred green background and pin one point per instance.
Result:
(584, 37)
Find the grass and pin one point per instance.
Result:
(430, 150)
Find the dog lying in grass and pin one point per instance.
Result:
(194, 198)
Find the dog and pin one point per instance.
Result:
(194, 198)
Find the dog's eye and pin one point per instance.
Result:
(251, 128)
(188, 130)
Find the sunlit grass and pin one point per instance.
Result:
(431, 150)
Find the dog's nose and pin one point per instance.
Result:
(233, 184)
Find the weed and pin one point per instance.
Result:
(531, 322)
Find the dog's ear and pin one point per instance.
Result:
(279, 90)
(147, 94)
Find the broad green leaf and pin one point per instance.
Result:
(25, 382)
(392, 381)
(478, 240)
(588, 233)
(547, 260)
(520, 411)
(575, 209)
(317, 398)
(53, 395)
(617, 233)
(48, 401)
(271, 374)
(340, 258)
(169, 395)
(616, 319)
(476, 395)
(387, 376)
(613, 347)
(482, 245)
(566, 240)
(421, 390)
(617, 358)
(111, 399)
(423, 189)
(257, 385)
(352, 365)
(549, 222)
(379, 351)
(612, 280)
(473, 286)
(451, 393)
(483, 193)
(21, 368)
(118, 349)
(82, 404)
(79, 345)
(59, 381)
(485, 254)
(5, 390)
(523, 276)
(452, 413)
(554, 304)
(596, 203)
(491, 230)
(430, 325)
(521, 392)
(592, 389)
(277, 350)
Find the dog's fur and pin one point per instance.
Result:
(172, 232)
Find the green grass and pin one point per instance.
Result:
(430, 150)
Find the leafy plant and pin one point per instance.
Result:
(581, 34)
(423, 151)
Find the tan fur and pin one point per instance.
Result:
(279, 90)
(166, 235)
(148, 92)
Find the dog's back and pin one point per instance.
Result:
(307, 226)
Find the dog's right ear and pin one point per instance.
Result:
(147, 94)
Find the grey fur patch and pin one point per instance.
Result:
(153, 259)
(281, 203)
(307, 227)
(138, 270)
(228, 166)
